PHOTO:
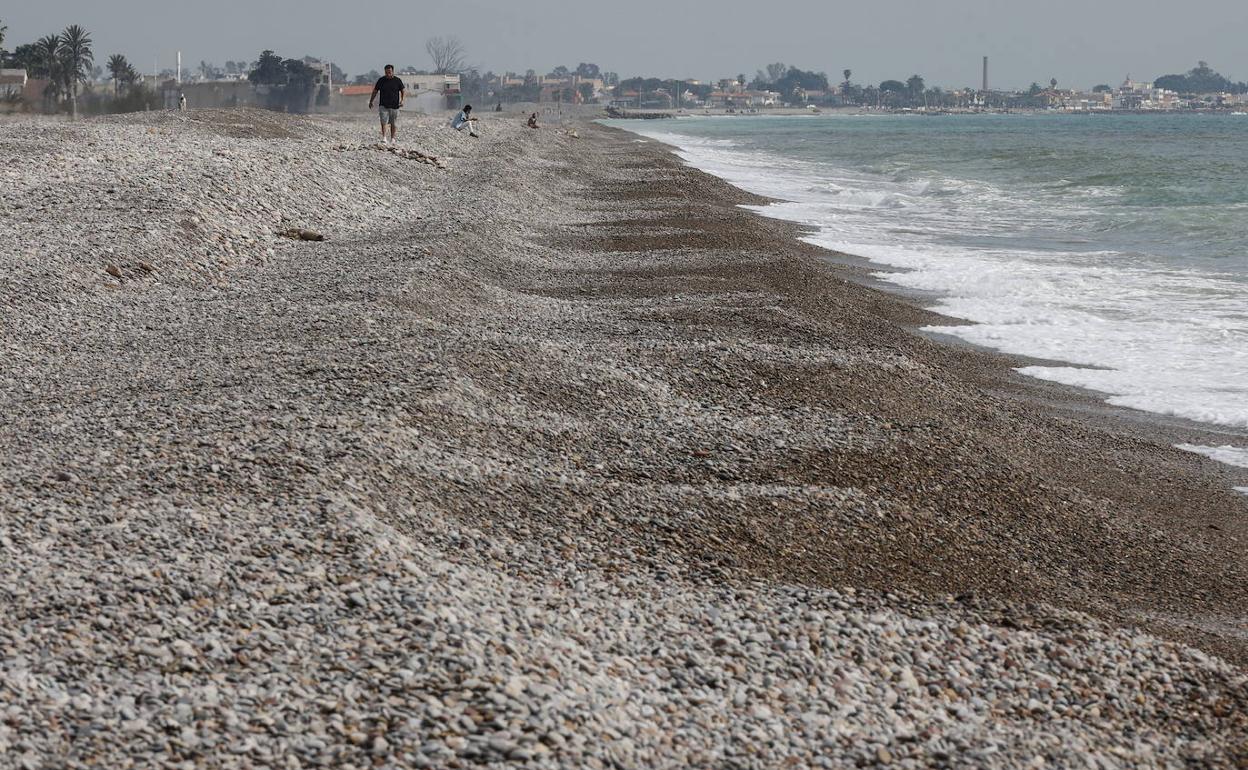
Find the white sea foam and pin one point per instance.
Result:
(1231, 455)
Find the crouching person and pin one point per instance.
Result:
(465, 120)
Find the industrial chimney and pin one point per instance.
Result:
(985, 88)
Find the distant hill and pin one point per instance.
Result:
(1201, 80)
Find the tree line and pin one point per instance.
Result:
(1200, 80)
(67, 61)
(291, 85)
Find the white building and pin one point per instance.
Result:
(1143, 96)
(12, 83)
(441, 84)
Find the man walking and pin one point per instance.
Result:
(392, 94)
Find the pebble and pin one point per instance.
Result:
(343, 503)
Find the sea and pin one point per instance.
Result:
(1112, 247)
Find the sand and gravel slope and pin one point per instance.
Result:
(549, 456)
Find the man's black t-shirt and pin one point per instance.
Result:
(389, 88)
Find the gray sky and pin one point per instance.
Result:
(1079, 42)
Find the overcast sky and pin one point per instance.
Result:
(1079, 42)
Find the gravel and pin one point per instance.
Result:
(394, 500)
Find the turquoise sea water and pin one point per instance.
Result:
(1117, 243)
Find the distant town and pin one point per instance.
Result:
(61, 73)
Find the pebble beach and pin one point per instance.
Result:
(551, 455)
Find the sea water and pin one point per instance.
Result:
(1114, 246)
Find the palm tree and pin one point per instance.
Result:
(117, 67)
(48, 65)
(76, 57)
(915, 87)
(847, 73)
(3, 29)
(48, 56)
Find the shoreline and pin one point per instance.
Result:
(789, 112)
(550, 455)
(1145, 468)
(1072, 398)
(865, 272)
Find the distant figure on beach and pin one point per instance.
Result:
(393, 93)
(465, 119)
(181, 102)
(532, 121)
(498, 107)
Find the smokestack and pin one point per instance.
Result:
(985, 88)
(179, 75)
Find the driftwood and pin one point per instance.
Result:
(406, 154)
(300, 234)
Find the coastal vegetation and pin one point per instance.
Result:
(1200, 80)
(447, 53)
(76, 59)
(66, 60)
(121, 72)
(290, 84)
(790, 82)
(63, 66)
